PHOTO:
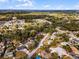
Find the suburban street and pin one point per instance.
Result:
(40, 44)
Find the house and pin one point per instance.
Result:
(9, 52)
(74, 50)
(74, 41)
(64, 43)
(12, 23)
(59, 50)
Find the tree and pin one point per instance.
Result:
(67, 48)
(54, 55)
(65, 37)
(66, 57)
(1, 37)
(32, 33)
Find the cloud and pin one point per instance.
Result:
(54, 7)
(22, 4)
(22, 0)
(25, 3)
(1, 1)
(59, 7)
(76, 6)
(47, 6)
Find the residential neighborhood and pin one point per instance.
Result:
(39, 37)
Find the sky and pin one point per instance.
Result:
(40, 4)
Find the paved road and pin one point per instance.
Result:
(40, 44)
